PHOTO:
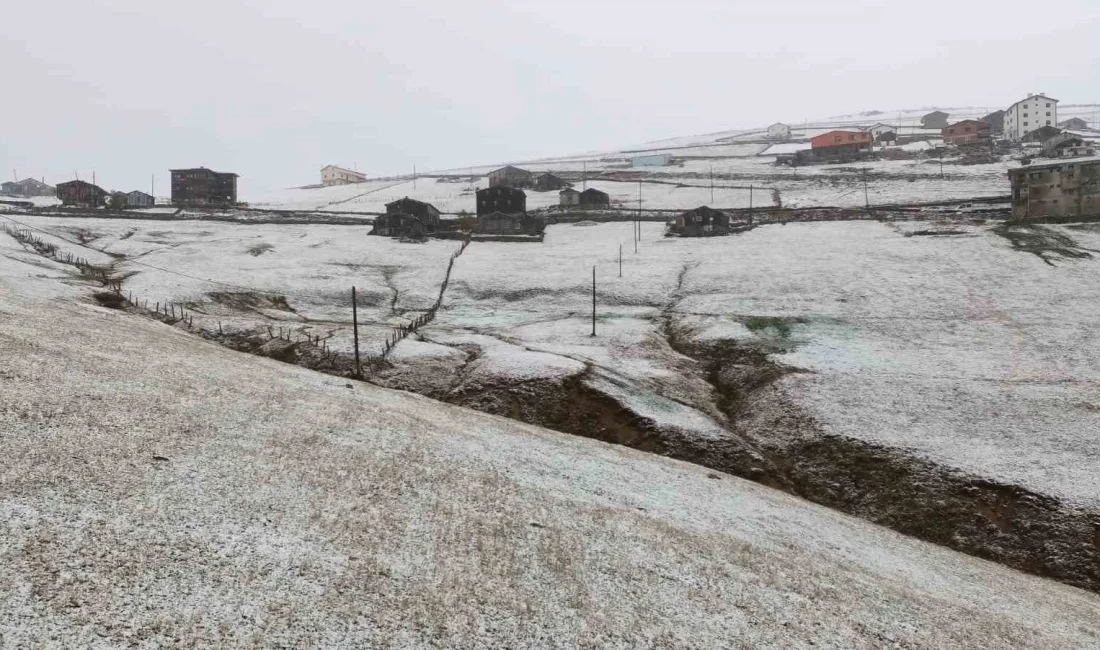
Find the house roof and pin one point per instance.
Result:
(408, 200)
(936, 113)
(510, 168)
(203, 169)
(1033, 97)
(139, 192)
(32, 181)
(953, 124)
(79, 182)
(343, 169)
(593, 190)
(1058, 163)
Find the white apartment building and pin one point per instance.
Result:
(333, 175)
(1028, 114)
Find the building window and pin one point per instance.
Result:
(1048, 113)
(1048, 104)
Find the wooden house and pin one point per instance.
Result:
(934, 120)
(1041, 134)
(548, 182)
(1074, 123)
(966, 132)
(404, 226)
(138, 199)
(501, 198)
(510, 176)
(593, 198)
(996, 121)
(28, 187)
(81, 194)
(498, 223)
(425, 212)
(569, 197)
(702, 222)
(202, 187)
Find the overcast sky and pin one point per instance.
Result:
(274, 89)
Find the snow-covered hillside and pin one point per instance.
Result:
(714, 169)
(159, 490)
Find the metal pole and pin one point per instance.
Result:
(355, 330)
(750, 204)
(620, 260)
(712, 185)
(593, 301)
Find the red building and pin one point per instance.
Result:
(850, 139)
(966, 132)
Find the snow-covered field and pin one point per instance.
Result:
(158, 490)
(956, 347)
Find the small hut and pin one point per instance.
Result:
(702, 222)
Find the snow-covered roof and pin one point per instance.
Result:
(1062, 161)
(1030, 97)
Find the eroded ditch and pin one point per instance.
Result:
(772, 441)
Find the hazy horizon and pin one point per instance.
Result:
(129, 90)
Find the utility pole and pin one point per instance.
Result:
(750, 204)
(620, 260)
(941, 167)
(355, 331)
(712, 185)
(414, 177)
(593, 301)
(584, 176)
(866, 194)
(153, 187)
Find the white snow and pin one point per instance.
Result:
(159, 490)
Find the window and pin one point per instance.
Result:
(836, 139)
(1025, 123)
(1048, 122)
(1048, 112)
(1048, 106)
(1025, 114)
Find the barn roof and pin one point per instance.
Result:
(203, 169)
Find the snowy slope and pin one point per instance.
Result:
(161, 491)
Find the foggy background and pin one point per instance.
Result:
(275, 90)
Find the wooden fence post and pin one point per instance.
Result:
(355, 333)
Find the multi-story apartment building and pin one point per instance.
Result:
(1027, 115)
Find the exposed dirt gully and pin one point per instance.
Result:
(775, 442)
(771, 441)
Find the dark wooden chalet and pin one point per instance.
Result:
(548, 182)
(592, 198)
(569, 197)
(498, 223)
(425, 212)
(82, 194)
(405, 226)
(510, 176)
(507, 200)
(203, 187)
(703, 222)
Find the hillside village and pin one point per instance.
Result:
(938, 156)
(867, 338)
